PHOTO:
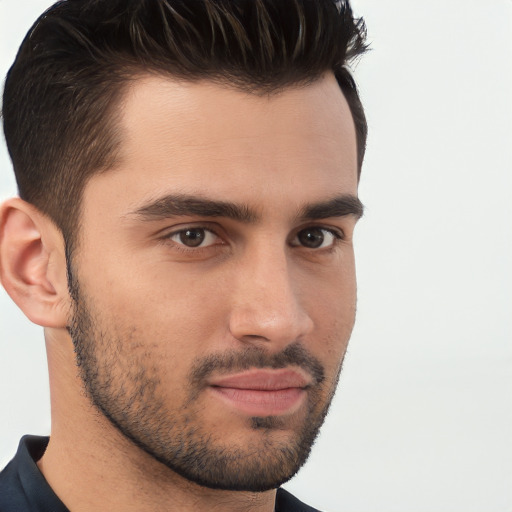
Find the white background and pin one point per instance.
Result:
(423, 418)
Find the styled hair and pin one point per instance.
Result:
(61, 95)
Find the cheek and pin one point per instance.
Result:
(333, 308)
(171, 312)
(331, 297)
(333, 345)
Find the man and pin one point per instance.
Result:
(188, 179)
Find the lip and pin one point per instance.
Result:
(262, 392)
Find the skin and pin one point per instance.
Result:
(250, 287)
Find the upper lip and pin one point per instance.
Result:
(263, 379)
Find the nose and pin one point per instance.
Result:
(268, 304)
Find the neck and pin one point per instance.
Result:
(90, 465)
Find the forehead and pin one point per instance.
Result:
(206, 138)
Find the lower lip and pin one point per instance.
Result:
(261, 402)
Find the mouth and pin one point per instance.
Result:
(262, 392)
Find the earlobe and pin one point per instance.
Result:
(32, 263)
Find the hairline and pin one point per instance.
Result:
(135, 74)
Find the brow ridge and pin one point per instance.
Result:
(176, 205)
(179, 205)
(340, 206)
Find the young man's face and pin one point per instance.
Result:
(214, 276)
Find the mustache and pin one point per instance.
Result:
(235, 361)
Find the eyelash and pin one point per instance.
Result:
(183, 248)
(337, 235)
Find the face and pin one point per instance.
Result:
(214, 282)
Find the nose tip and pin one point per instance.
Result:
(261, 322)
(269, 311)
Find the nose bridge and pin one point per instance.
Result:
(268, 305)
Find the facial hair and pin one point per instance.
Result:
(128, 392)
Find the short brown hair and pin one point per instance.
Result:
(61, 92)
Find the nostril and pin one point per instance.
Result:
(252, 338)
(255, 325)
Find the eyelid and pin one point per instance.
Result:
(183, 226)
(205, 242)
(337, 233)
(167, 234)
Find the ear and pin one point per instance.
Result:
(33, 263)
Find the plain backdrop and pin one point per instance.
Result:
(422, 421)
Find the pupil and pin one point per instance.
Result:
(312, 238)
(192, 237)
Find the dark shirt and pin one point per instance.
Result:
(23, 487)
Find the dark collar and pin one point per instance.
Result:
(24, 488)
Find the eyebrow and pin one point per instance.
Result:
(340, 206)
(180, 205)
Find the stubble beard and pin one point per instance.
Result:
(128, 393)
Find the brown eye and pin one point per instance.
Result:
(194, 237)
(315, 238)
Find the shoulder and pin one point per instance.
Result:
(22, 486)
(286, 502)
(12, 495)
